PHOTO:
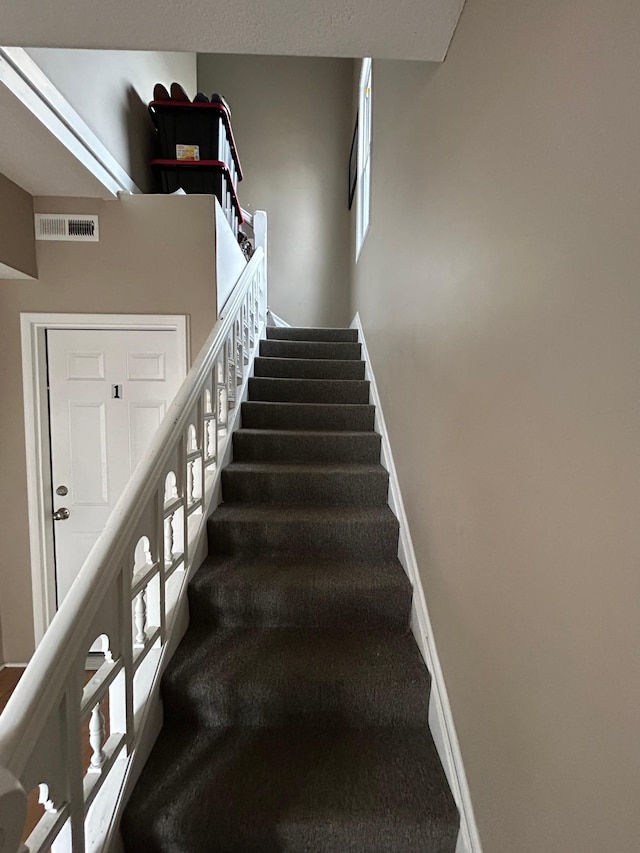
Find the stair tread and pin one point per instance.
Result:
(292, 405)
(251, 590)
(298, 657)
(297, 380)
(312, 333)
(295, 390)
(296, 676)
(309, 368)
(331, 468)
(262, 414)
(311, 349)
(295, 571)
(269, 513)
(269, 790)
(306, 445)
(322, 433)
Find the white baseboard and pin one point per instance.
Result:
(440, 716)
(13, 665)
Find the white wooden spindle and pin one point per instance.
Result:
(168, 540)
(46, 800)
(190, 483)
(96, 739)
(211, 439)
(140, 618)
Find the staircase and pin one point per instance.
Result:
(296, 705)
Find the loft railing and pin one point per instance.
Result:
(130, 595)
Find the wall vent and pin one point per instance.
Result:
(62, 226)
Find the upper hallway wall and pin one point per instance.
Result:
(156, 255)
(499, 291)
(17, 243)
(293, 124)
(110, 90)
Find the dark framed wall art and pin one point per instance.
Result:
(353, 165)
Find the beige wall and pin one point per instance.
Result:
(499, 291)
(293, 124)
(110, 89)
(17, 243)
(155, 255)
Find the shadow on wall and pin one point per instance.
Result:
(141, 140)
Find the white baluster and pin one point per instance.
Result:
(190, 483)
(168, 540)
(140, 618)
(45, 800)
(96, 739)
(211, 439)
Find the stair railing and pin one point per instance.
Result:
(128, 595)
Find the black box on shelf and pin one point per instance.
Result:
(196, 132)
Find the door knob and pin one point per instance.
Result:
(61, 514)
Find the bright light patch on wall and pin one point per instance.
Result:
(67, 227)
(363, 197)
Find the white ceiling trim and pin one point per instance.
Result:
(25, 80)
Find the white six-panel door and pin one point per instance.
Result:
(108, 392)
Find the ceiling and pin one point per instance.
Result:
(401, 29)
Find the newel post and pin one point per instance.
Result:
(13, 813)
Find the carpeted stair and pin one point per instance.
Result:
(296, 705)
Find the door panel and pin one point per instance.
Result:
(144, 420)
(108, 392)
(87, 453)
(146, 367)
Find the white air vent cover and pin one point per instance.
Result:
(62, 226)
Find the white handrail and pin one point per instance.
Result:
(136, 572)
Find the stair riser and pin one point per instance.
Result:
(324, 488)
(306, 539)
(331, 838)
(308, 368)
(284, 333)
(300, 349)
(308, 390)
(234, 606)
(299, 416)
(312, 448)
(294, 703)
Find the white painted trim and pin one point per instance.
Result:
(26, 80)
(441, 720)
(276, 320)
(36, 414)
(12, 273)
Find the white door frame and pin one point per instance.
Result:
(33, 328)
